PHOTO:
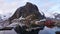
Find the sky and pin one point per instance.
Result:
(48, 7)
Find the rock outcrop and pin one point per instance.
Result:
(26, 10)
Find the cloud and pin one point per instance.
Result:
(10, 6)
(7, 7)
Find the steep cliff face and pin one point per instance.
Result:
(26, 10)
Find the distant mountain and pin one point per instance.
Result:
(1, 18)
(57, 15)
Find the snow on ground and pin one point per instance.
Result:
(52, 30)
(8, 32)
(11, 25)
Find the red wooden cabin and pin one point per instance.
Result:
(49, 23)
